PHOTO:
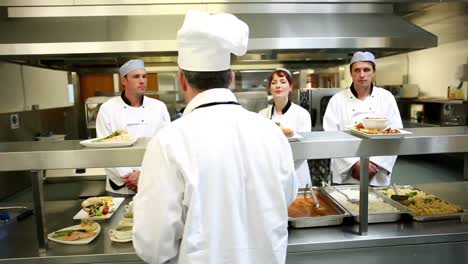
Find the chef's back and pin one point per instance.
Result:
(216, 183)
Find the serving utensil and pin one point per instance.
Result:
(398, 197)
(351, 200)
(312, 192)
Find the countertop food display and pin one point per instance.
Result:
(303, 212)
(118, 138)
(380, 208)
(424, 206)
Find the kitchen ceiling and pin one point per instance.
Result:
(99, 36)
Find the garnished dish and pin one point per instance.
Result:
(118, 138)
(119, 135)
(76, 235)
(98, 208)
(360, 127)
(421, 203)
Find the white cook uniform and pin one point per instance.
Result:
(214, 189)
(343, 112)
(297, 119)
(143, 121)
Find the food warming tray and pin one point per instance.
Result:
(372, 217)
(423, 218)
(313, 221)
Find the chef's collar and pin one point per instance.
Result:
(210, 96)
(283, 111)
(124, 98)
(354, 90)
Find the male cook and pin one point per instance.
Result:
(214, 188)
(132, 111)
(349, 107)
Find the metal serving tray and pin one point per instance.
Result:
(372, 217)
(423, 218)
(313, 221)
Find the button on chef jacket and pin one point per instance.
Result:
(143, 121)
(345, 111)
(297, 119)
(214, 189)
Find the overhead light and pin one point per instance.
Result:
(296, 72)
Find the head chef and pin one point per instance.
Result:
(349, 107)
(205, 44)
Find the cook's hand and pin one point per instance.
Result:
(356, 170)
(131, 180)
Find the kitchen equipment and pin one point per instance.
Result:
(381, 209)
(316, 202)
(409, 91)
(330, 212)
(315, 101)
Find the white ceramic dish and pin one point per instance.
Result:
(83, 215)
(76, 242)
(295, 137)
(403, 133)
(113, 238)
(377, 123)
(93, 144)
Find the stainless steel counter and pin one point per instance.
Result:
(68, 154)
(428, 140)
(18, 243)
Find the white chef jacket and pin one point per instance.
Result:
(297, 119)
(143, 121)
(343, 112)
(214, 189)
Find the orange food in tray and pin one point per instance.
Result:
(360, 127)
(305, 207)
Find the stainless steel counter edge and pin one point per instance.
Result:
(70, 154)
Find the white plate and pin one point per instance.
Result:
(92, 144)
(83, 215)
(403, 133)
(295, 137)
(76, 242)
(113, 238)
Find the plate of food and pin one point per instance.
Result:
(80, 234)
(119, 138)
(98, 208)
(388, 132)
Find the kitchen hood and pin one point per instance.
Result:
(294, 37)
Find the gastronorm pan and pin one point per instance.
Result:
(322, 220)
(380, 217)
(427, 217)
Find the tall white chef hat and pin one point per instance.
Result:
(131, 65)
(363, 56)
(205, 42)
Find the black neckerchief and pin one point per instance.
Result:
(354, 90)
(124, 98)
(216, 103)
(285, 109)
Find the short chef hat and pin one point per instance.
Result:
(363, 56)
(205, 41)
(131, 65)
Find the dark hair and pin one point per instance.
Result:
(351, 65)
(280, 73)
(208, 80)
